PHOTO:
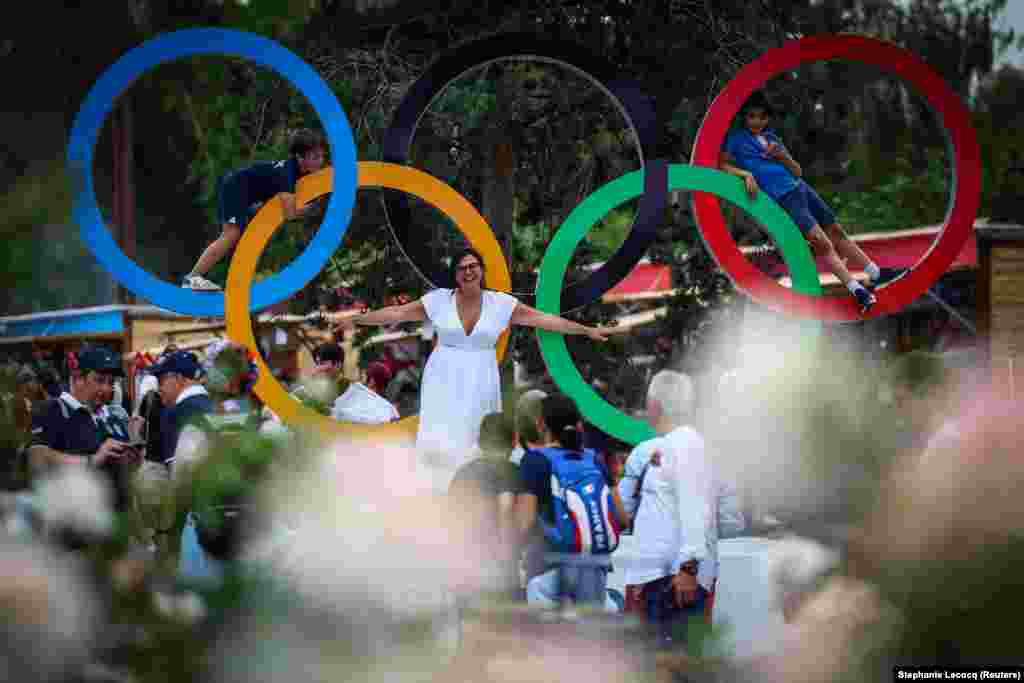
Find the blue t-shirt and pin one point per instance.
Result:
(771, 174)
(265, 179)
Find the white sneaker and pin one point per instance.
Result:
(199, 283)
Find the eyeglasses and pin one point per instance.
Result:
(468, 267)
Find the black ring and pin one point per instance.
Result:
(635, 105)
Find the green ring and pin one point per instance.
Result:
(595, 207)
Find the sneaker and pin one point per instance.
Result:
(866, 300)
(885, 276)
(199, 283)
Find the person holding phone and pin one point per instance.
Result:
(75, 428)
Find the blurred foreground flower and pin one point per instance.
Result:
(945, 542)
(76, 499)
(50, 613)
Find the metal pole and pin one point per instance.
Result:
(953, 312)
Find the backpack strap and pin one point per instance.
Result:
(638, 495)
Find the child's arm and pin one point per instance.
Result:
(726, 162)
(780, 153)
(290, 211)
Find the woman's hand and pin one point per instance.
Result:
(597, 333)
(348, 324)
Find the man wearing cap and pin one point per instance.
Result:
(185, 400)
(17, 417)
(72, 428)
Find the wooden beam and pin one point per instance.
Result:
(61, 338)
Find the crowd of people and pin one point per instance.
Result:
(549, 512)
(547, 501)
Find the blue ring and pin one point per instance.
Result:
(187, 43)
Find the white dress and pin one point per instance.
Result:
(460, 383)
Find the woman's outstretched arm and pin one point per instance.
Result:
(531, 317)
(391, 315)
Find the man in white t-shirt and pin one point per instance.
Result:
(364, 403)
(671, 575)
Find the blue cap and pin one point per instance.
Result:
(99, 359)
(184, 363)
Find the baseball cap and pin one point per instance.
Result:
(26, 375)
(184, 363)
(99, 359)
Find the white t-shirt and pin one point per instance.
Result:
(677, 519)
(360, 404)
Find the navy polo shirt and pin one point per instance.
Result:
(174, 419)
(264, 179)
(64, 424)
(771, 174)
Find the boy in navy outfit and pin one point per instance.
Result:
(756, 154)
(238, 192)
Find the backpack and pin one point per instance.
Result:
(585, 519)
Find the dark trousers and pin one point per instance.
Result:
(656, 601)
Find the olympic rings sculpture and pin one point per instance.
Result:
(651, 184)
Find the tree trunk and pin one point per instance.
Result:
(124, 188)
(499, 174)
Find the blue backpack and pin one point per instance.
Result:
(586, 521)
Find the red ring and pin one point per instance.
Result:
(966, 181)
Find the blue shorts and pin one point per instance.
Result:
(806, 208)
(233, 205)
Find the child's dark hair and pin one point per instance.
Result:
(561, 417)
(458, 259)
(758, 100)
(305, 140)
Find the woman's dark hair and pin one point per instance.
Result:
(561, 417)
(497, 437)
(458, 259)
(305, 140)
(758, 101)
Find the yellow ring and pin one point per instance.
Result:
(271, 216)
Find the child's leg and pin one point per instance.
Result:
(218, 249)
(822, 246)
(233, 215)
(846, 247)
(802, 206)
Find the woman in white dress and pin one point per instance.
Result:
(461, 383)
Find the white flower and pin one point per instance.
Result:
(77, 498)
(51, 614)
(798, 564)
